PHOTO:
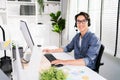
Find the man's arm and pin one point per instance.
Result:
(53, 50)
(78, 62)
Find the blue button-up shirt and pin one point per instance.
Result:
(88, 50)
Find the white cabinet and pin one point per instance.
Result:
(22, 9)
(28, 10)
(2, 12)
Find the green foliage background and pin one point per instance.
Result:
(41, 4)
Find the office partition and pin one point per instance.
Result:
(109, 25)
(118, 40)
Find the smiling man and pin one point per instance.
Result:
(85, 44)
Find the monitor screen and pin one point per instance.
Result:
(26, 33)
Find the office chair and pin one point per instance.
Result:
(98, 61)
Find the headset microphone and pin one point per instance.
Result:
(76, 30)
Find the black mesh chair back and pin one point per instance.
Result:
(98, 62)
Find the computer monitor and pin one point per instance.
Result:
(26, 33)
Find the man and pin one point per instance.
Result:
(85, 44)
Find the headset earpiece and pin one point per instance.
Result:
(88, 23)
(75, 25)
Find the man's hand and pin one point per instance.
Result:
(47, 50)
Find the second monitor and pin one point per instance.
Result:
(28, 38)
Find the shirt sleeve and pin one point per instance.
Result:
(86, 61)
(92, 51)
(70, 46)
(65, 49)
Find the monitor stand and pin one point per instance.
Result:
(26, 55)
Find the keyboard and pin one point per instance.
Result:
(51, 58)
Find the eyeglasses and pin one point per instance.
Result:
(81, 21)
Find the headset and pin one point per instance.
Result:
(86, 17)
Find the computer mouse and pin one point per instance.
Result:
(57, 65)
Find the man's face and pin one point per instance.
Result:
(82, 23)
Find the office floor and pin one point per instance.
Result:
(111, 68)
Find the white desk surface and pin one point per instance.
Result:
(73, 72)
(77, 72)
(3, 76)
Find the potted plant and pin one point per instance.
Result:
(41, 4)
(52, 74)
(14, 50)
(58, 24)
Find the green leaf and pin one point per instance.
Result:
(56, 28)
(58, 15)
(52, 74)
(58, 23)
(53, 17)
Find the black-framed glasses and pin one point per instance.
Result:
(81, 21)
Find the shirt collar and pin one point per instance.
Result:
(86, 34)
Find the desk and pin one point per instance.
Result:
(3, 76)
(74, 72)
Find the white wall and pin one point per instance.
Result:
(42, 34)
